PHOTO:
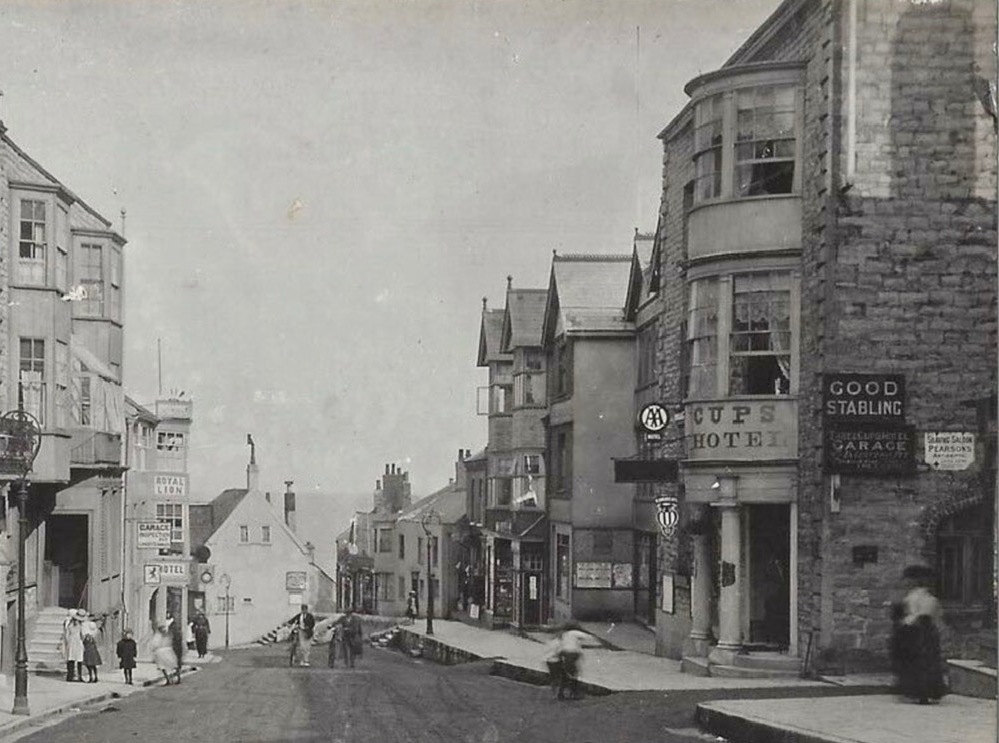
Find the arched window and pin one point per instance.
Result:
(965, 557)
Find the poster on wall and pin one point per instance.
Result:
(667, 593)
(622, 575)
(594, 575)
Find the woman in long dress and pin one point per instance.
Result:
(72, 644)
(916, 639)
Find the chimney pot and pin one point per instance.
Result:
(378, 484)
(386, 469)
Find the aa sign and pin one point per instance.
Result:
(653, 418)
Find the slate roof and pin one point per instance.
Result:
(449, 502)
(524, 317)
(208, 517)
(489, 337)
(589, 293)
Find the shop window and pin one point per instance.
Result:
(964, 556)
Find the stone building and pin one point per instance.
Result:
(828, 276)
(61, 274)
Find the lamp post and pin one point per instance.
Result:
(430, 517)
(20, 439)
(226, 581)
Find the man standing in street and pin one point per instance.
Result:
(305, 622)
(351, 635)
(201, 631)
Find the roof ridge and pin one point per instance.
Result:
(614, 257)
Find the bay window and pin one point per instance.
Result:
(745, 142)
(760, 342)
(740, 330)
(764, 141)
(32, 242)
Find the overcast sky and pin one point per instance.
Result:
(319, 194)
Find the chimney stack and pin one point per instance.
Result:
(289, 505)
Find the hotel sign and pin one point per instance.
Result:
(853, 398)
(742, 429)
(170, 484)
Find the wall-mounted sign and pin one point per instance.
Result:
(742, 429)
(653, 418)
(645, 470)
(294, 580)
(622, 575)
(594, 575)
(949, 450)
(152, 535)
(666, 598)
(154, 573)
(667, 514)
(869, 450)
(864, 554)
(170, 484)
(863, 397)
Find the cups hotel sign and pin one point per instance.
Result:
(742, 429)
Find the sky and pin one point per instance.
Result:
(319, 194)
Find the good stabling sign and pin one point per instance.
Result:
(865, 430)
(852, 398)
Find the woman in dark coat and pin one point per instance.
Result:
(915, 642)
(126, 652)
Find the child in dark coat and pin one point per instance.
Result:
(91, 657)
(126, 651)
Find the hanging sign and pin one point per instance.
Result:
(949, 450)
(667, 515)
(653, 418)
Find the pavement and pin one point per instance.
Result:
(50, 695)
(862, 711)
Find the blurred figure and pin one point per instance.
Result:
(336, 644)
(915, 642)
(163, 654)
(568, 649)
(351, 639)
(177, 644)
(411, 607)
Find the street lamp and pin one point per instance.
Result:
(430, 517)
(226, 581)
(20, 439)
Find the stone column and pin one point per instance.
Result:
(700, 598)
(730, 598)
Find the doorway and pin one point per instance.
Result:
(768, 573)
(67, 559)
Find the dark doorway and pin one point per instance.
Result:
(67, 558)
(769, 575)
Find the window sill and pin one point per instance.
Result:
(733, 199)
